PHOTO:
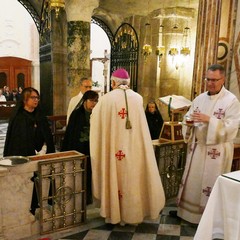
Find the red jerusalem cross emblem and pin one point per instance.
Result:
(120, 155)
(122, 113)
(219, 114)
(207, 191)
(214, 153)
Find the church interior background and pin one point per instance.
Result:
(166, 45)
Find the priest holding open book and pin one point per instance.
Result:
(215, 116)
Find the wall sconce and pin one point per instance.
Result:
(57, 5)
(147, 50)
(173, 52)
(48, 6)
(159, 52)
(185, 51)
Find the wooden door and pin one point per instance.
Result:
(4, 77)
(15, 72)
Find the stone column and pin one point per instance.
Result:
(209, 16)
(79, 14)
(59, 62)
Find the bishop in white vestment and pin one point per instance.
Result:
(126, 179)
(216, 115)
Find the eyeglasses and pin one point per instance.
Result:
(92, 100)
(213, 80)
(35, 98)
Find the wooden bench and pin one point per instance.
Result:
(58, 127)
(6, 109)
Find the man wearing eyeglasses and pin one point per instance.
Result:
(215, 115)
(85, 85)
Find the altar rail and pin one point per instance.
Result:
(58, 127)
(66, 173)
(171, 159)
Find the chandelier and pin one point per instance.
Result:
(173, 51)
(160, 49)
(147, 48)
(185, 51)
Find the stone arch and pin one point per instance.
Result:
(36, 18)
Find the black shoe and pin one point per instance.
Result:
(173, 213)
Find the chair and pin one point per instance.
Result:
(58, 127)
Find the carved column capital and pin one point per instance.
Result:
(80, 10)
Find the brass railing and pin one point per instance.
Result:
(62, 193)
(171, 159)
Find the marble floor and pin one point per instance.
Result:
(165, 227)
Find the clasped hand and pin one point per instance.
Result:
(200, 117)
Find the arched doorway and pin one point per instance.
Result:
(124, 49)
(101, 38)
(124, 52)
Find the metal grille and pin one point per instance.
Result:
(104, 26)
(171, 159)
(62, 193)
(124, 52)
(32, 12)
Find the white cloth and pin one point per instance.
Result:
(221, 218)
(210, 151)
(2, 98)
(126, 179)
(73, 103)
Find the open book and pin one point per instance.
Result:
(176, 102)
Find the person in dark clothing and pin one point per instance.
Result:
(14, 96)
(28, 130)
(29, 133)
(154, 119)
(77, 133)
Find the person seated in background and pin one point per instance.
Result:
(2, 97)
(6, 92)
(154, 119)
(14, 96)
(20, 89)
(77, 133)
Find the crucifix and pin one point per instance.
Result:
(104, 60)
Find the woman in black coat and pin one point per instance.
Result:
(28, 130)
(77, 133)
(29, 133)
(154, 119)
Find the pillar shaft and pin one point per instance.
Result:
(208, 26)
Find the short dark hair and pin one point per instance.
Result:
(84, 79)
(215, 67)
(26, 93)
